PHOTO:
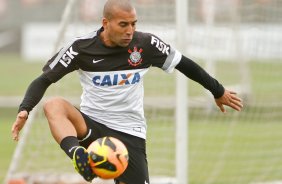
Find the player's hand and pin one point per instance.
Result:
(18, 124)
(229, 98)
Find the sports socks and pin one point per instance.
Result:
(68, 144)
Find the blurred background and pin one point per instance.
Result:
(239, 42)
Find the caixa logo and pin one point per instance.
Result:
(116, 79)
(67, 57)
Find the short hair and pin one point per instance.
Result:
(110, 5)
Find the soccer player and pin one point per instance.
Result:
(111, 62)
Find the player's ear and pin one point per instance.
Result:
(105, 22)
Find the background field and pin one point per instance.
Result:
(235, 147)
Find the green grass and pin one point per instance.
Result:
(233, 148)
(16, 74)
(7, 116)
(225, 150)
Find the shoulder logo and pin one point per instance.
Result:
(135, 57)
(161, 46)
(67, 57)
(97, 61)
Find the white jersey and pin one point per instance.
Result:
(112, 78)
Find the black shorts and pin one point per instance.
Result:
(137, 169)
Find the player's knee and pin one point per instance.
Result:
(53, 105)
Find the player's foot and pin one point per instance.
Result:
(81, 163)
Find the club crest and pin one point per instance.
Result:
(135, 57)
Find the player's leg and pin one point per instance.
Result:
(67, 127)
(64, 119)
(137, 169)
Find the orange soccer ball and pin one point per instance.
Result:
(108, 157)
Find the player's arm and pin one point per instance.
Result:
(33, 95)
(222, 97)
(62, 63)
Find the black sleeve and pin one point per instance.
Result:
(35, 93)
(193, 71)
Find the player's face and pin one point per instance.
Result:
(119, 29)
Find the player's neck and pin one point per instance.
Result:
(106, 40)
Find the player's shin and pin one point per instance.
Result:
(69, 144)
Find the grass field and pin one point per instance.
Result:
(7, 145)
(221, 151)
(236, 148)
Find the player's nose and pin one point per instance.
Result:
(130, 30)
